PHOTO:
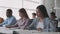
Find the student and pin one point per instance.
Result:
(42, 22)
(11, 20)
(52, 15)
(54, 20)
(23, 21)
(34, 15)
(31, 20)
(1, 21)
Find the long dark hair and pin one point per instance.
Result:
(43, 10)
(23, 11)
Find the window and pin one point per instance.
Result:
(15, 5)
(30, 6)
(30, 13)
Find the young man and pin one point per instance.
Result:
(33, 15)
(11, 20)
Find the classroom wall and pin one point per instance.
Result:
(57, 7)
(53, 3)
(49, 4)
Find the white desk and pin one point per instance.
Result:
(10, 31)
(5, 30)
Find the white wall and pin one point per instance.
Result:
(57, 7)
(53, 3)
(49, 4)
(15, 5)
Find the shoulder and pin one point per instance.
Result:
(27, 19)
(47, 19)
(13, 18)
(35, 20)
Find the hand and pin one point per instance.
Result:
(8, 27)
(26, 28)
(39, 29)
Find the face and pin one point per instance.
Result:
(8, 14)
(52, 16)
(20, 14)
(33, 16)
(38, 13)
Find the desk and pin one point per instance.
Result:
(10, 30)
(20, 31)
(5, 30)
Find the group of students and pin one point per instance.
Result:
(41, 23)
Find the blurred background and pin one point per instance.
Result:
(29, 5)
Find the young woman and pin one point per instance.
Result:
(42, 22)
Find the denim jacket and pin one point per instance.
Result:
(48, 25)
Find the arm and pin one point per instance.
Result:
(12, 26)
(26, 23)
(4, 23)
(32, 26)
(15, 25)
(11, 21)
(32, 23)
(46, 25)
(50, 26)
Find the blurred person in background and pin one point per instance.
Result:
(11, 20)
(23, 21)
(54, 20)
(53, 16)
(33, 15)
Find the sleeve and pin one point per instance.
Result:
(50, 26)
(4, 23)
(32, 24)
(12, 21)
(15, 25)
(12, 26)
(26, 23)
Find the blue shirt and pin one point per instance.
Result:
(48, 25)
(9, 21)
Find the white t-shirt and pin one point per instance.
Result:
(40, 25)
